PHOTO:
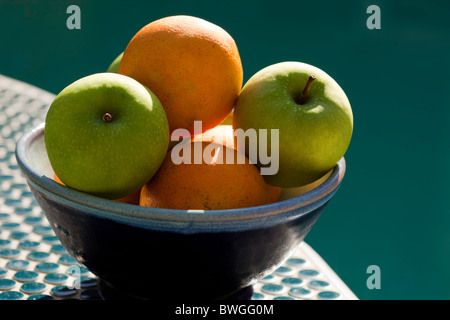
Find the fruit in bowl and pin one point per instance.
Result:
(311, 112)
(132, 198)
(114, 66)
(106, 134)
(217, 254)
(192, 65)
(106, 137)
(218, 181)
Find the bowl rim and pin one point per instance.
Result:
(112, 209)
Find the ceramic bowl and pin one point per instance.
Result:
(147, 253)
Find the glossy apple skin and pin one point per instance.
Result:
(313, 136)
(107, 159)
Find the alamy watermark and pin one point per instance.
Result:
(374, 20)
(257, 148)
(74, 20)
(75, 271)
(374, 280)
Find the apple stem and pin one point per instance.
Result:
(305, 90)
(107, 117)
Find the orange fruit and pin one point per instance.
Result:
(224, 134)
(206, 186)
(55, 177)
(273, 192)
(193, 66)
(131, 198)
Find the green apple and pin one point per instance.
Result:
(311, 112)
(114, 66)
(106, 134)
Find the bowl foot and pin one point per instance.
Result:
(108, 292)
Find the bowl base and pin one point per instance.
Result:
(108, 292)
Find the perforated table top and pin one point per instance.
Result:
(33, 263)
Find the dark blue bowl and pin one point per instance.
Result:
(147, 253)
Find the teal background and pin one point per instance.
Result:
(393, 207)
